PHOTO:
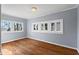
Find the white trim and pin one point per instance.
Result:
(13, 40)
(37, 23)
(54, 43)
(61, 26)
(3, 32)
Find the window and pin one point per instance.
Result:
(18, 26)
(43, 26)
(5, 25)
(11, 26)
(35, 27)
(55, 26)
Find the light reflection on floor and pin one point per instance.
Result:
(6, 52)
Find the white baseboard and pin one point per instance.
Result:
(53, 43)
(14, 39)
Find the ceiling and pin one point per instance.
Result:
(25, 10)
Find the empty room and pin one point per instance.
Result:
(39, 29)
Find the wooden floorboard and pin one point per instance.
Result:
(29, 46)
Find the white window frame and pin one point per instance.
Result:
(21, 24)
(49, 26)
(44, 31)
(61, 26)
(12, 27)
(33, 27)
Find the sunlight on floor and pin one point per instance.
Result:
(6, 52)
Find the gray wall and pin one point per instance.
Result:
(78, 30)
(0, 25)
(69, 36)
(16, 35)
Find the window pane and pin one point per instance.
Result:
(52, 26)
(36, 26)
(58, 26)
(5, 25)
(46, 25)
(42, 26)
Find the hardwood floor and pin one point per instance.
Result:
(0, 48)
(33, 47)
